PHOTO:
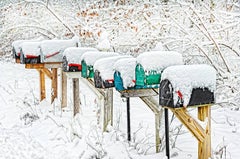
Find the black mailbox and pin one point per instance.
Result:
(187, 85)
(30, 53)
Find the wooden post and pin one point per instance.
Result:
(42, 85)
(204, 148)
(64, 90)
(157, 131)
(54, 84)
(76, 98)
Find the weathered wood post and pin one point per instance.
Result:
(54, 84)
(76, 98)
(42, 84)
(64, 90)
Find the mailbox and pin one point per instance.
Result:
(72, 56)
(88, 59)
(30, 53)
(124, 75)
(151, 64)
(187, 85)
(104, 70)
(52, 50)
(16, 46)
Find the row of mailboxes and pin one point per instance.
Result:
(155, 69)
(42, 51)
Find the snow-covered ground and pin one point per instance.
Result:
(33, 129)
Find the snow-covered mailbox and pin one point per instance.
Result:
(72, 58)
(89, 58)
(104, 71)
(16, 46)
(187, 85)
(30, 53)
(52, 50)
(150, 66)
(124, 75)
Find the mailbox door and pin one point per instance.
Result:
(65, 64)
(166, 94)
(90, 72)
(98, 82)
(118, 82)
(84, 69)
(139, 75)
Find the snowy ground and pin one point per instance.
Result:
(29, 129)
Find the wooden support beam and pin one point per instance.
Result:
(193, 126)
(152, 103)
(139, 92)
(64, 90)
(47, 72)
(42, 85)
(76, 97)
(43, 65)
(54, 90)
(17, 60)
(204, 148)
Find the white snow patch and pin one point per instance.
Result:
(31, 48)
(73, 54)
(90, 57)
(159, 60)
(105, 66)
(186, 77)
(17, 44)
(126, 67)
(158, 47)
(103, 43)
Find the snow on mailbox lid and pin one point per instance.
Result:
(105, 66)
(158, 60)
(31, 49)
(73, 54)
(90, 57)
(18, 43)
(185, 78)
(126, 67)
(52, 49)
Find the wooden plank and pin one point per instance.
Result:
(139, 92)
(17, 60)
(47, 72)
(157, 130)
(42, 85)
(53, 65)
(54, 85)
(154, 106)
(34, 66)
(76, 97)
(64, 90)
(204, 148)
(73, 74)
(108, 108)
(151, 103)
(193, 126)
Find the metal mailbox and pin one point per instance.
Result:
(151, 64)
(52, 50)
(89, 58)
(104, 71)
(124, 75)
(72, 58)
(30, 53)
(187, 85)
